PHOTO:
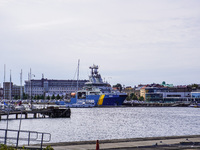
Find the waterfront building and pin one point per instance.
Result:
(14, 90)
(195, 96)
(168, 94)
(137, 90)
(150, 88)
(1, 93)
(143, 91)
(128, 90)
(50, 87)
(166, 85)
(7, 90)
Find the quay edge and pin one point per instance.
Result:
(172, 142)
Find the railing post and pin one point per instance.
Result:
(28, 138)
(5, 137)
(42, 141)
(17, 139)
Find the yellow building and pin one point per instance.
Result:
(143, 92)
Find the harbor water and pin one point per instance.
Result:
(114, 123)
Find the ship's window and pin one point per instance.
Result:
(94, 93)
(81, 95)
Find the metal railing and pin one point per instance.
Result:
(23, 135)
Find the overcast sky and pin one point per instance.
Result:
(133, 41)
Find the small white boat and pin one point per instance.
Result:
(20, 107)
(194, 105)
(7, 107)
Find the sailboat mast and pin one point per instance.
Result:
(77, 80)
(21, 94)
(10, 86)
(4, 93)
(30, 84)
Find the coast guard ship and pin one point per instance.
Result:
(97, 93)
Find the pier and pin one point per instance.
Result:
(51, 112)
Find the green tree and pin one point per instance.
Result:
(128, 98)
(118, 86)
(48, 97)
(141, 98)
(133, 96)
(42, 96)
(16, 97)
(58, 97)
(53, 97)
(25, 96)
(195, 86)
(38, 97)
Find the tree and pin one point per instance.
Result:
(195, 86)
(118, 86)
(38, 97)
(53, 96)
(16, 97)
(133, 96)
(128, 98)
(58, 97)
(141, 98)
(42, 97)
(25, 96)
(48, 97)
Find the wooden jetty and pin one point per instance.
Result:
(51, 112)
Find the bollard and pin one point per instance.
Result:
(97, 145)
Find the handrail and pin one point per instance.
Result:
(10, 134)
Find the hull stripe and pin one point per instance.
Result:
(100, 101)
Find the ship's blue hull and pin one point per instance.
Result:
(100, 100)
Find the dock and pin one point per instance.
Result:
(51, 112)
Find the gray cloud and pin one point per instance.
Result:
(133, 41)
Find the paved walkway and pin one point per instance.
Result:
(173, 142)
